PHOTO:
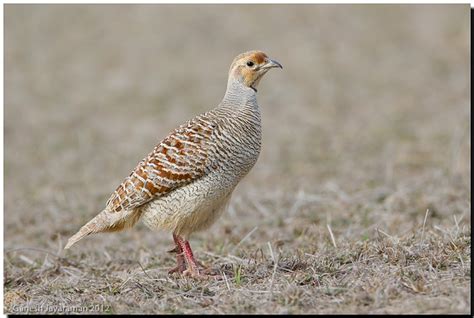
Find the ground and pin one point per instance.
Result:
(359, 202)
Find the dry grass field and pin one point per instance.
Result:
(360, 200)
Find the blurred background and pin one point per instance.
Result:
(367, 125)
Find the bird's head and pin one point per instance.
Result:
(248, 68)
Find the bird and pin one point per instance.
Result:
(185, 183)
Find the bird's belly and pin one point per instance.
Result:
(190, 208)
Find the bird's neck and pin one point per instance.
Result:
(239, 95)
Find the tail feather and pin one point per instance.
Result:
(105, 222)
(83, 232)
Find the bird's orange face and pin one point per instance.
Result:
(250, 67)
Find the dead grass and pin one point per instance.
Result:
(365, 130)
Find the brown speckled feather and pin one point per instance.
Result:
(181, 158)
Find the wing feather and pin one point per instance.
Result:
(179, 159)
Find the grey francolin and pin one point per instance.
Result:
(184, 184)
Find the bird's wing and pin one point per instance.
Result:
(184, 156)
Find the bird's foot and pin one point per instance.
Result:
(194, 273)
(175, 249)
(185, 255)
(202, 274)
(212, 272)
(180, 268)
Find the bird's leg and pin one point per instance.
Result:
(193, 264)
(193, 269)
(181, 267)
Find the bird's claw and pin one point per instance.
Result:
(205, 274)
(174, 250)
(178, 269)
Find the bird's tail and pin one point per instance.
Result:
(106, 221)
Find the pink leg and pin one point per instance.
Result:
(188, 255)
(181, 267)
(193, 264)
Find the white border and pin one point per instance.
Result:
(148, 2)
(239, 2)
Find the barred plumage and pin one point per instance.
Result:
(186, 181)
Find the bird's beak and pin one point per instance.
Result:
(271, 64)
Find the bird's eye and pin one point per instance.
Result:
(250, 63)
